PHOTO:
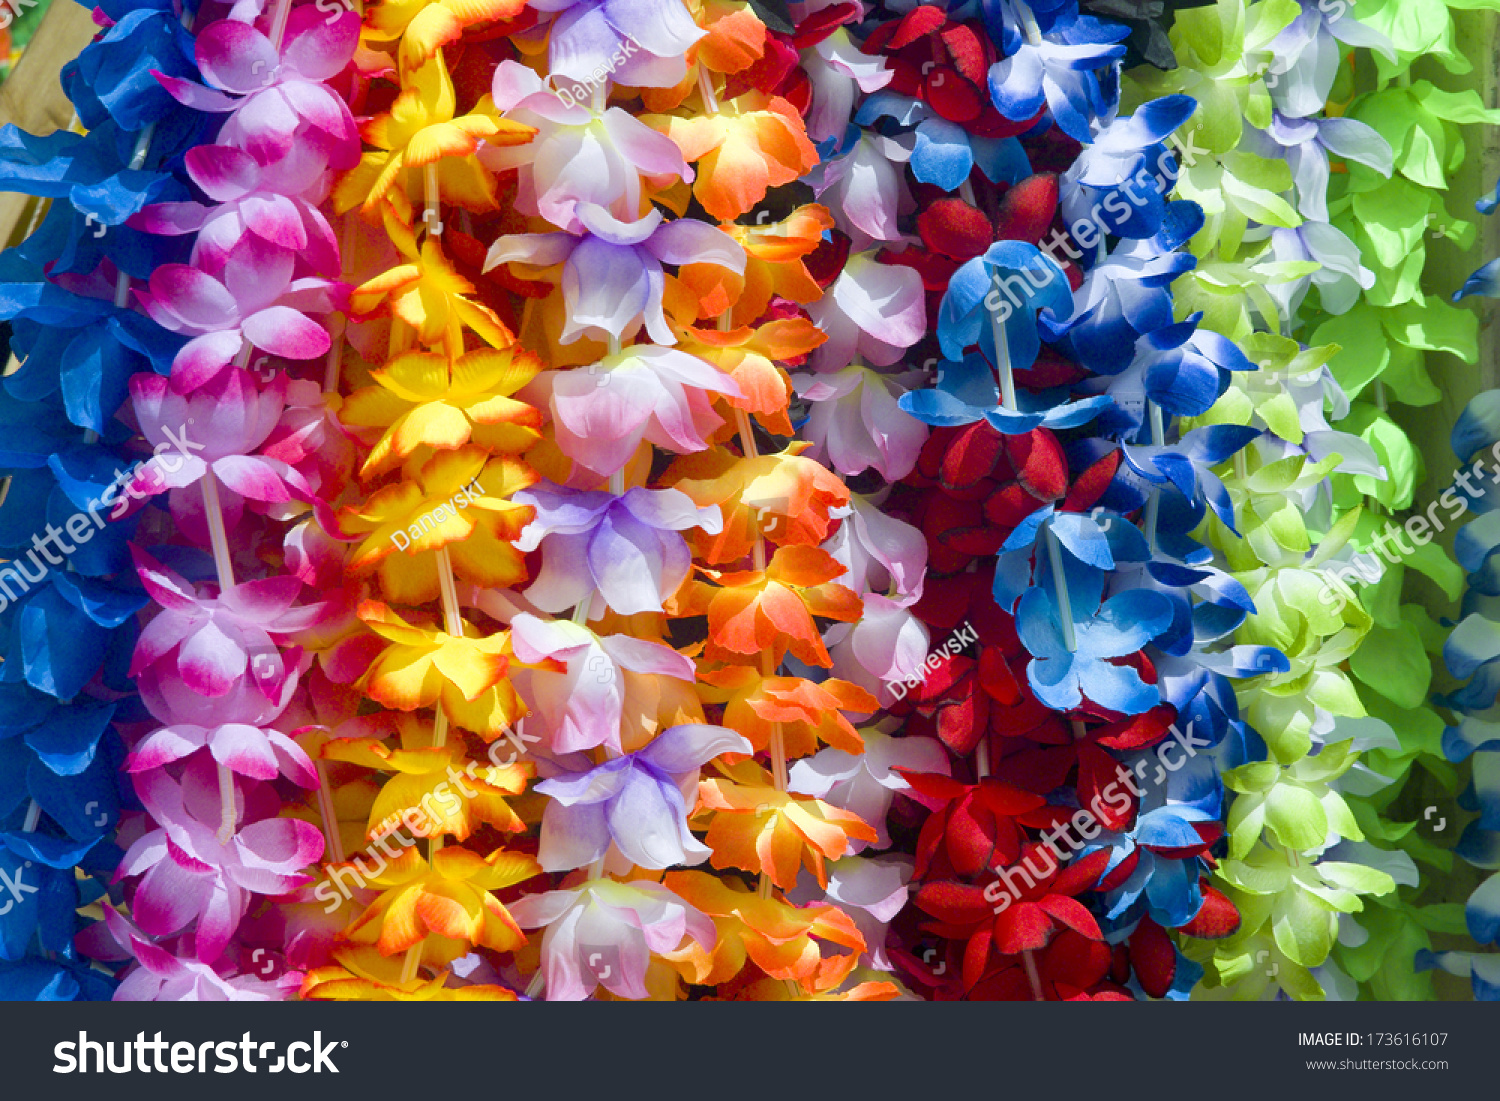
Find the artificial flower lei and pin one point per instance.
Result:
(706, 499)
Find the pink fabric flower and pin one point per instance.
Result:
(839, 71)
(873, 311)
(246, 199)
(254, 299)
(582, 707)
(212, 660)
(866, 783)
(612, 277)
(281, 108)
(603, 933)
(216, 427)
(602, 412)
(871, 890)
(256, 752)
(866, 189)
(620, 553)
(189, 875)
(577, 156)
(855, 424)
(885, 646)
(163, 977)
(880, 553)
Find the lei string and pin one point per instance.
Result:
(1098, 640)
(69, 612)
(442, 438)
(217, 665)
(1469, 654)
(605, 256)
(1315, 858)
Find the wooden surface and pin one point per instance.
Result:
(32, 97)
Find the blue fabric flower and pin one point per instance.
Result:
(1014, 280)
(967, 391)
(1121, 178)
(1060, 73)
(1114, 628)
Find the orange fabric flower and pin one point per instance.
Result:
(771, 610)
(754, 143)
(808, 712)
(783, 497)
(780, 939)
(749, 356)
(775, 264)
(760, 829)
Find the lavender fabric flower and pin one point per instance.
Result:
(642, 43)
(639, 802)
(625, 282)
(623, 553)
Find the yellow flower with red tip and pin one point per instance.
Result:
(420, 130)
(425, 26)
(423, 398)
(422, 667)
(362, 974)
(457, 499)
(427, 294)
(436, 790)
(446, 905)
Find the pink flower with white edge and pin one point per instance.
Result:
(243, 203)
(282, 109)
(602, 412)
(254, 300)
(189, 875)
(603, 932)
(582, 706)
(215, 660)
(879, 552)
(839, 71)
(871, 890)
(163, 977)
(865, 783)
(855, 424)
(873, 312)
(577, 156)
(253, 751)
(866, 189)
(216, 427)
(886, 646)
